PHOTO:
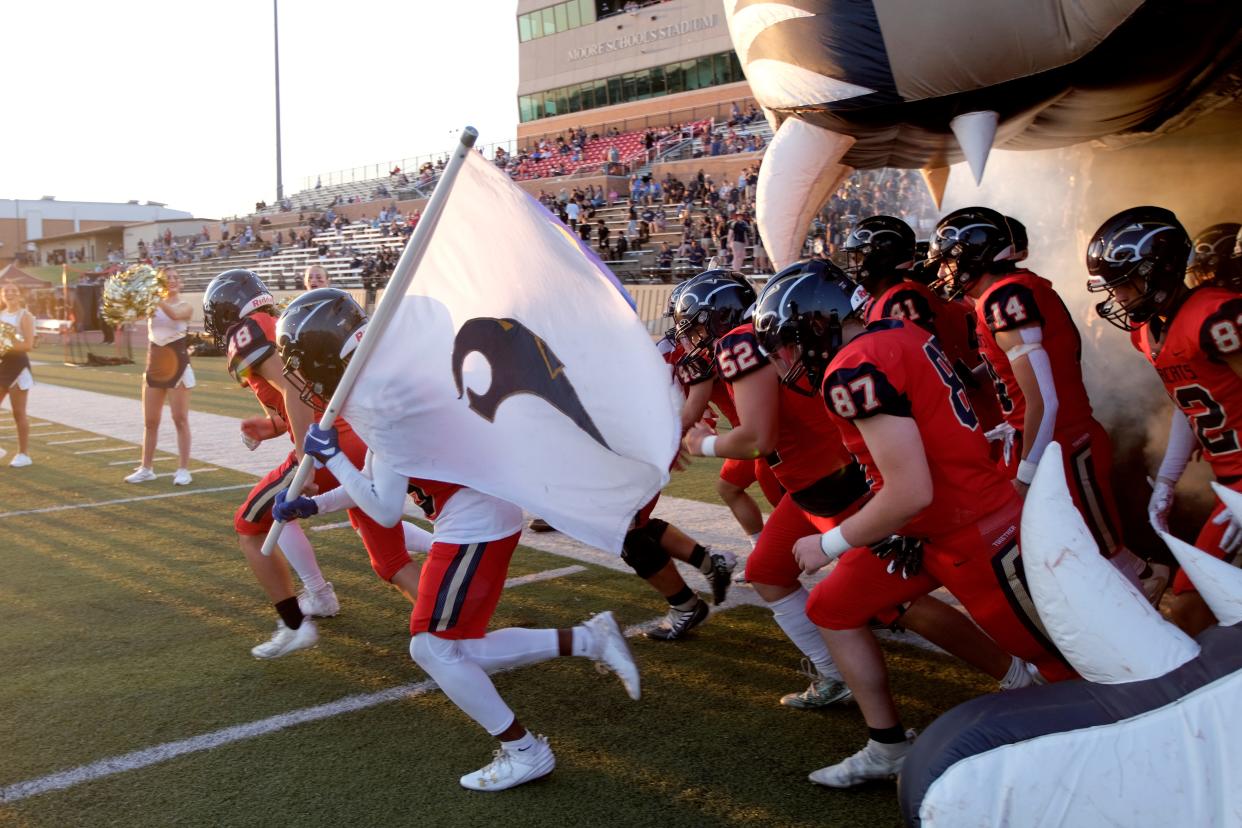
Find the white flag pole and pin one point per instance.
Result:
(402, 275)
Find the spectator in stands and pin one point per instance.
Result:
(739, 236)
(584, 232)
(571, 210)
(631, 225)
(762, 263)
(696, 256)
(316, 276)
(623, 247)
(603, 232)
(664, 261)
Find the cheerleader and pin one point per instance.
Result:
(169, 375)
(15, 377)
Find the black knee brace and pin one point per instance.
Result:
(642, 550)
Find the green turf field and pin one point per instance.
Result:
(127, 626)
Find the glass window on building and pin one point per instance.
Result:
(562, 17)
(587, 8)
(658, 87)
(643, 79)
(574, 12)
(524, 28)
(706, 73)
(722, 72)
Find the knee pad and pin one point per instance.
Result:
(430, 652)
(642, 550)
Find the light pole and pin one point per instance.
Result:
(280, 187)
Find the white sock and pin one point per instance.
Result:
(584, 642)
(1018, 676)
(511, 647)
(417, 539)
(754, 539)
(298, 552)
(463, 681)
(790, 615)
(523, 742)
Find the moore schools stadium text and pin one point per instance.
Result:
(697, 24)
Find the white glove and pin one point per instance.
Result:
(1232, 538)
(249, 443)
(1007, 435)
(1161, 502)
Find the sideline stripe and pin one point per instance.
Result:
(81, 440)
(57, 433)
(130, 447)
(98, 504)
(139, 460)
(218, 738)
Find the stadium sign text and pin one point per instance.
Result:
(697, 24)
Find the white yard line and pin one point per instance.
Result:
(57, 433)
(237, 733)
(139, 460)
(324, 527)
(99, 504)
(100, 451)
(79, 440)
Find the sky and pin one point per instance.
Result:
(171, 101)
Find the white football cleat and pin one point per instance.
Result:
(1155, 582)
(511, 768)
(322, 603)
(141, 475)
(875, 761)
(20, 461)
(285, 640)
(182, 478)
(610, 652)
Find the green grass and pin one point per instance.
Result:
(129, 625)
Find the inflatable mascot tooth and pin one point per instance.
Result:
(862, 84)
(1152, 735)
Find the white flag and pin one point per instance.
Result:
(516, 366)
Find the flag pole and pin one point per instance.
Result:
(402, 275)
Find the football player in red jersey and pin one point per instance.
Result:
(465, 571)
(1193, 338)
(824, 486)
(697, 379)
(881, 252)
(941, 510)
(1033, 349)
(1210, 255)
(239, 310)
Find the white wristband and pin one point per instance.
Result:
(708, 447)
(1026, 471)
(833, 543)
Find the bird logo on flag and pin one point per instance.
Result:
(521, 363)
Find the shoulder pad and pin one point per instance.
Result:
(738, 355)
(249, 345)
(1011, 306)
(1220, 334)
(861, 391)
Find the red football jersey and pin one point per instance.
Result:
(251, 342)
(808, 447)
(899, 369)
(431, 495)
(1190, 361)
(720, 393)
(1017, 301)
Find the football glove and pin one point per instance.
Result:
(1161, 503)
(321, 443)
(286, 510)
(1231, 541)
(904, 555)
(1006, 435)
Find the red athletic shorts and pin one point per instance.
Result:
(772, 561)
(980, 564)
(1087, 453)
(742, 473)
(1209, 541)
(385, 546)
(460, 586)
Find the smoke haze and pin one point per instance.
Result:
(1062, 196)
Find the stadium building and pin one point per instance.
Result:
(604, 63)
(25, 222)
